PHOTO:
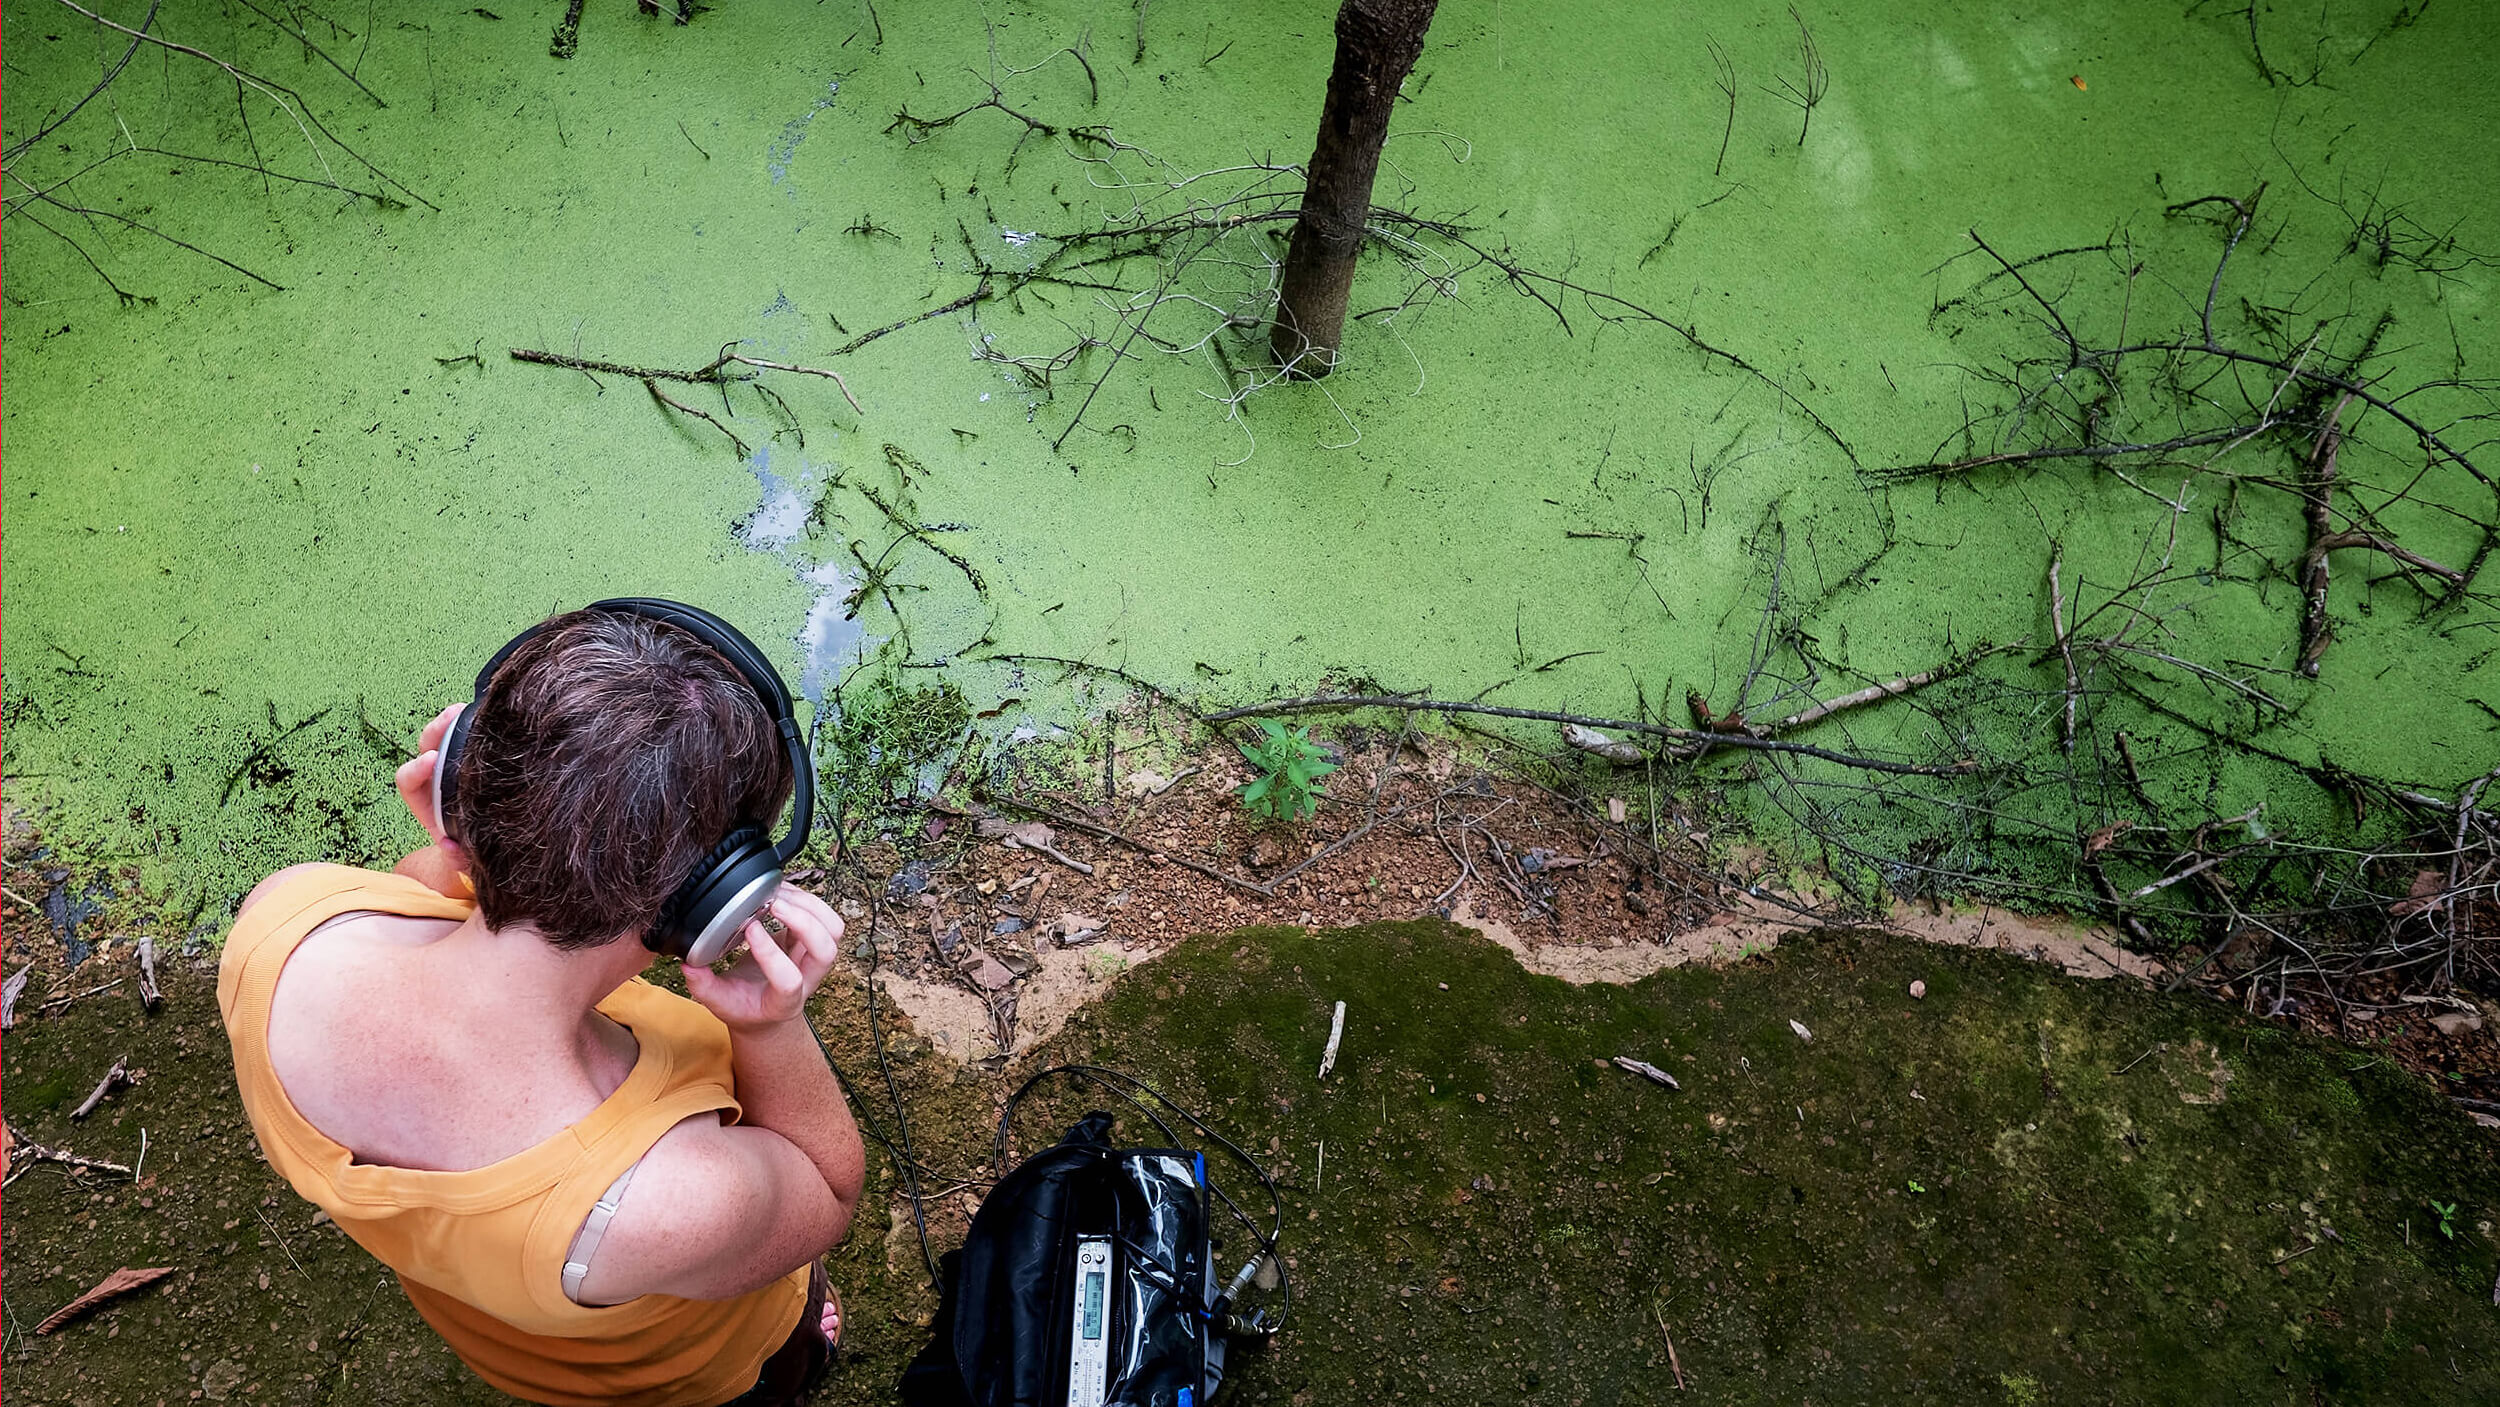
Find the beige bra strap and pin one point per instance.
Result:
(594, 1226)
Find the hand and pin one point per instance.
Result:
(416, 775)
(771, 981)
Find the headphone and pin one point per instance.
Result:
(740, 875)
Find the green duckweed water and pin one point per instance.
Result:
(256, 536)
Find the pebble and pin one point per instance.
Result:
(1918, 989)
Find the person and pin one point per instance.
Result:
(596, 1191)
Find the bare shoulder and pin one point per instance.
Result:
(268, 886)
(714, 1211)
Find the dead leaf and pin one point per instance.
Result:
(1800, 1028)
(120, 1282)
(2100, 839)
(986, 972)
(2427, 885)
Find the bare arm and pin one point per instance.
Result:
(786, 1087)
(718, 1211)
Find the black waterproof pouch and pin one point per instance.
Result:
(1086, 1264)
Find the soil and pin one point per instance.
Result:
(2021, 1182)
(1957, 1195)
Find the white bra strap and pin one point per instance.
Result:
(594, 1226)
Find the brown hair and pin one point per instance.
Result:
(608, 757)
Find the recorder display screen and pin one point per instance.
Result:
(1091, 1320)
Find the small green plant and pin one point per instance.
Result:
(2447, 1217)
(1290, 766)
(1917, 1186)
(887, 744)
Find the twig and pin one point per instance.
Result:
(1177, 778)
(1724, 77)
(1330, 702)
(2148, 1054)
(1018, 843)
(714, 374)
(45, 1153)
(52, 1002)
(1672, 1361)
(1816, 78)
(113, 1079)
(2066, 652)
(1597, 744)
(2190, 872)
(9, 993)
(1647, 1070)
(281, 1239)
(899, 324)
(2316, 495)
(705, 416)
(306, 40)
(150, 996)
(30, 905)
(1061, 818)
(278, 93)
(919, 534)
(1873, 693)
(1336, 1033)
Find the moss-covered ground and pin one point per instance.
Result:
(2020, 1189)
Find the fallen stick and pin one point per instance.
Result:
(113, 1286)
(51, 1002)
(714, 374)
(150, 996)
(1647, 1070)
(1597, 744)
(1061, 818)
(1018, 843)
(705, 416)
(899, 324)
(1873, 693)
(1336, 1033)
(2190, 872)
(113, 1079)
(1672, 1361)
(2066, 652)
(45, 1153)
(15, 988)
(1705, 740)
(2316, 630)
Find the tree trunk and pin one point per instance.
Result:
(1378, 42)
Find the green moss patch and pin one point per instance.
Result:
(1959, 1198)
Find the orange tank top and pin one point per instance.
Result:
(481, 1253)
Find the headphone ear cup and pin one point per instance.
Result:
(447, 768)
(728, 886)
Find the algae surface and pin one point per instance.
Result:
(257, 536)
